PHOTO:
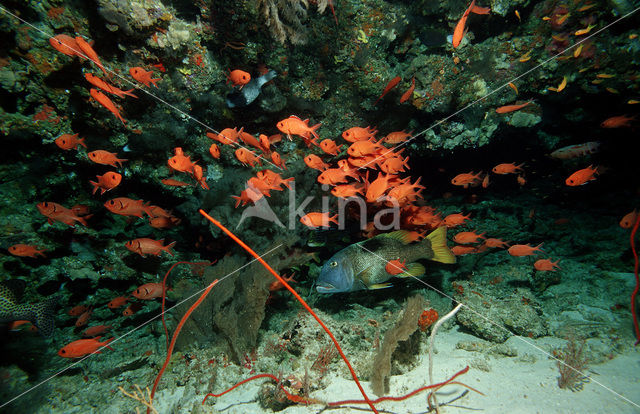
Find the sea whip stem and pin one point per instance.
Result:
(298, 298)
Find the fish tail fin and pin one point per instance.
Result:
(168, 247)
(43, 315)
(95, 186)
(154, 81)
(107, 342)
(437, 240)
(129, 93)
(313, 130)
(81, 142)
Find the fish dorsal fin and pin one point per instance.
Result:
(400, 235)
(16, 286)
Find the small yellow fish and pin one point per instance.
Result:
(585, 30)
(586, 7)
(545, 18)
(558, 38)
(633, 102)
(583, 69)
(561, 18)
(605, 76)
(512, 86)
(612, 90)
(596, 81)
(578, 50)
(517, 14)
(560, 87)
(632, 36)
(526, 56)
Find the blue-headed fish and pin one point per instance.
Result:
(362, 265)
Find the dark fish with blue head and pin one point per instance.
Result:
(250, 91)
(40, 314)
(362, 265)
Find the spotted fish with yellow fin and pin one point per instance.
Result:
(40, 314)
(362, 265)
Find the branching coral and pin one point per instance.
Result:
(286, 18)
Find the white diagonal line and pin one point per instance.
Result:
(136, 86)
(501, 87)
(132, 330)
(499, 326)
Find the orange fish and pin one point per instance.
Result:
(103, 100)
(395, 267)
(510, 168)
(315, 162)
(467, 237)
(56, 212)
(463, 250)
(277, 285)
(456, 219)
(459, 31)
(78, 310)
(546, 265)
(247, 157)
(96, 330)
(127, 207)
(523, 250)
(180, 162)
(145, 246)
(490, 242)
(405, 96)
(68, 141)
(467, 179)
(26, 250)
(392, 84)
(396, 137)
(106, 182)
(214, 151)
(148, 291)
(82, 347)
(89, 53)
(174, 183)
(330, 147)
(296, 126)
(226, 137)
(84, 318)
(99, 83)
(362, 148)
(249, 139)
(347, 190)
(274, 179)
(334, 176)
(378, 187)
(118, 302)
(65, 44)
(582, 176)
(265, 144)
(315, 220)
(164, 222)
(277, 160)
(143, 76)
(628, 221)
(238, 78)
(354, 134)
(106, 158)
(132, 308)
(406, 192)
(394, 165)
(511, 108)
(198, 174)
(246, 196)
(617, 121)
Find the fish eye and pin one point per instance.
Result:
(333, 264)
(62, 351)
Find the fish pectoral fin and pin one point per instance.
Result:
(413, 270)
(364, 274)
(380, 286)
